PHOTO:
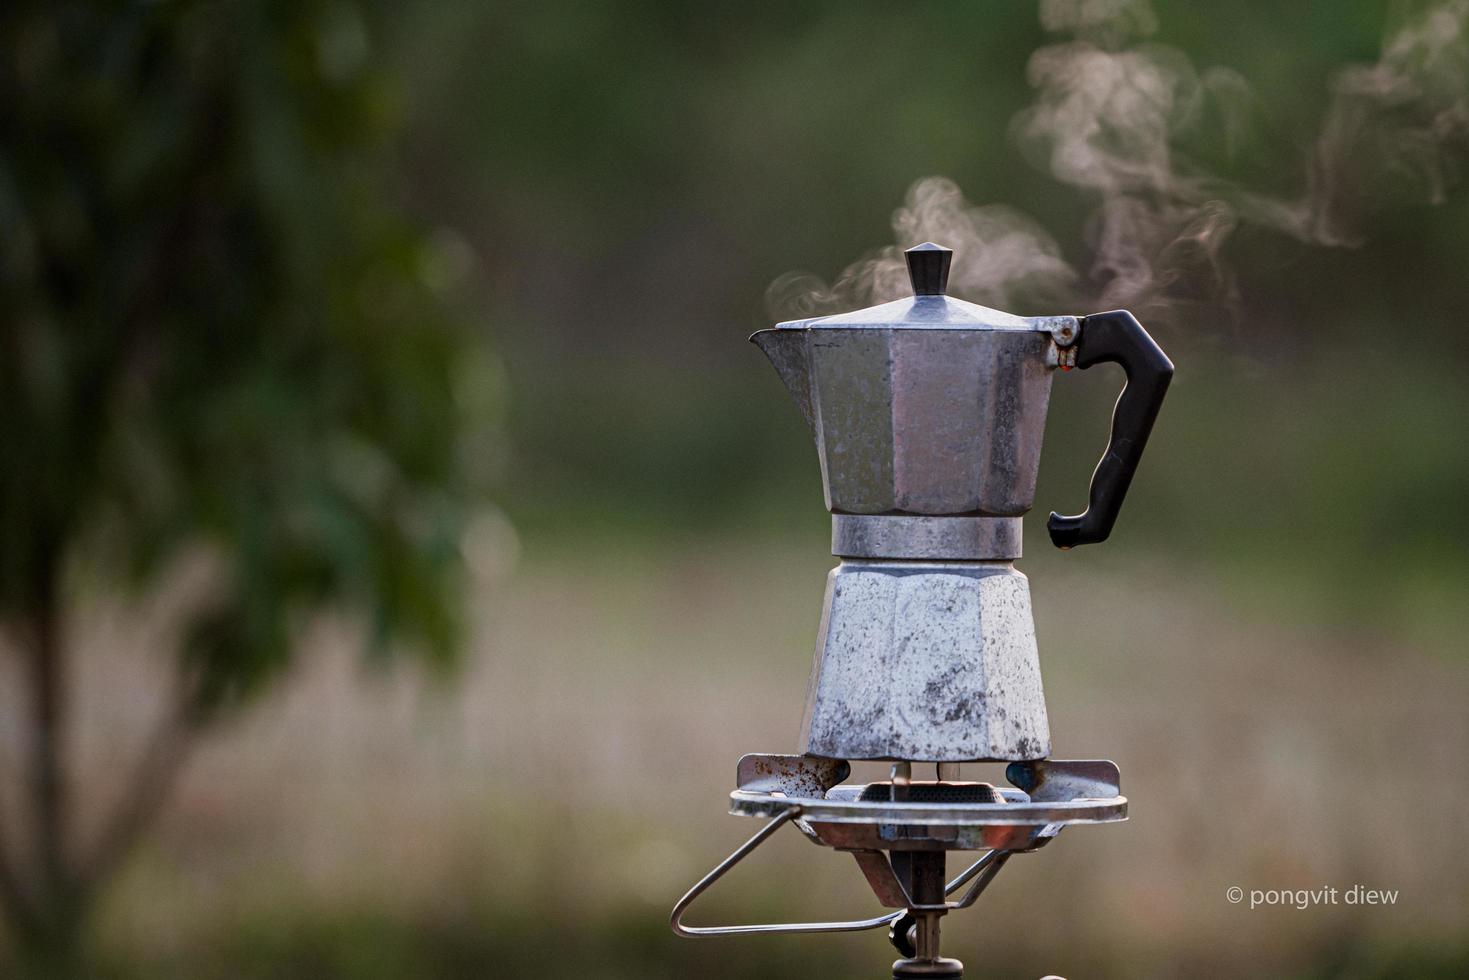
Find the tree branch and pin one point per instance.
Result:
(167, 749)
(48, 692)
(16, 904)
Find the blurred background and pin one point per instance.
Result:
(400, 543)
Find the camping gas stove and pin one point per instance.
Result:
(900, 832)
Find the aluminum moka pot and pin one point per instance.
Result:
(928, 414)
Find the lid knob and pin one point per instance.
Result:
(928, 268)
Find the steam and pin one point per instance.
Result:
(1106, 121)
(1113, 116)
(1399, 127)
(1001, 257)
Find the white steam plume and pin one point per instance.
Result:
(1397, 131)
(1109, 115)
(1001, 256)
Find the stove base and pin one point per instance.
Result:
(942, 968)
(900, 832)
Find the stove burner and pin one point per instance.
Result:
(931, 793)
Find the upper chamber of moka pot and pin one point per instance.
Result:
(928, 414)
(925, 406)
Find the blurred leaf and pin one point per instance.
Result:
(219, 327)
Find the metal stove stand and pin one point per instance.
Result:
(900, 832)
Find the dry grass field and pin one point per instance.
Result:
(539, 814)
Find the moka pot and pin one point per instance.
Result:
(928, 414)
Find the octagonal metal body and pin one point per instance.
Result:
(926, 406)
(926, 661)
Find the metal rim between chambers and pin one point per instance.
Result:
(921, 537)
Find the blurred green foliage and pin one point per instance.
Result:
(220, 325)
(221, 334)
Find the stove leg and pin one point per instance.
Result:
(925, 879)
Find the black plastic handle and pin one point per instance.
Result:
(1118, 338)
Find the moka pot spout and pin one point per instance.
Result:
(788, 352)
